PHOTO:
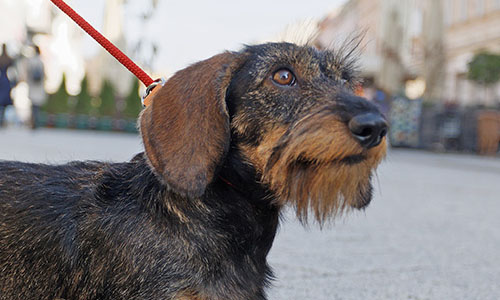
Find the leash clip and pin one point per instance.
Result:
(150, 90)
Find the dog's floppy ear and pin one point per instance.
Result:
(185, 130)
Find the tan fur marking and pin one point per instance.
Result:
(189, 295)
(258, 156)
(309, 172)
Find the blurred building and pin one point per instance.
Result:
(431, 41)
(384, 29)
(470, 26)
(105, 67)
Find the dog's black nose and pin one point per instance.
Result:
(368, 129)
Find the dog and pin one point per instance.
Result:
(229, 141)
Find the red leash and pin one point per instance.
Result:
(112, 49)
(119, 55)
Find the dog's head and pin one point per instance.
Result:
(290, 112)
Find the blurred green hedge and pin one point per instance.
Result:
(83, 111)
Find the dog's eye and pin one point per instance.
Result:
(284, 77)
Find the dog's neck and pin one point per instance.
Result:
(243, 178)
(244, 191)
(239, 183)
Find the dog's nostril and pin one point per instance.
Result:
(365, 132)
(369, 129)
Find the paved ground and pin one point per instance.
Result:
(432, 231)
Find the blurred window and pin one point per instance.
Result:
(479, 7)
(416, 23)
(463, 9)
(448, 12)
(497, 4)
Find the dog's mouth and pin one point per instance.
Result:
(348, 160)
(320, 180)
(353, 159)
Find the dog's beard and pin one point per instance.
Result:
(324, 189)
(318, 167)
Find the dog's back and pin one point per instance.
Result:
(39, 209)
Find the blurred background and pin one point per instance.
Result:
(432, 66)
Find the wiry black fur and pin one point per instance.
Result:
(90, 230)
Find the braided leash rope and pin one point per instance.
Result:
(121, 57)
(105, 43)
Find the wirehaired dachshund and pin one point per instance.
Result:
(229, 141)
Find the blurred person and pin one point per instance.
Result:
(5, 84)
(382, 100)
(35, 79)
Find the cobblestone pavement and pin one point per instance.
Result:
(432, 231)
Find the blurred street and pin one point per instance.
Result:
(432, 231)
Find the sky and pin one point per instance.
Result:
(189, 31)
(184, 31)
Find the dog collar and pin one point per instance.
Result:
(151, 91)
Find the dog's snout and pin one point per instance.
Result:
(368, 129)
